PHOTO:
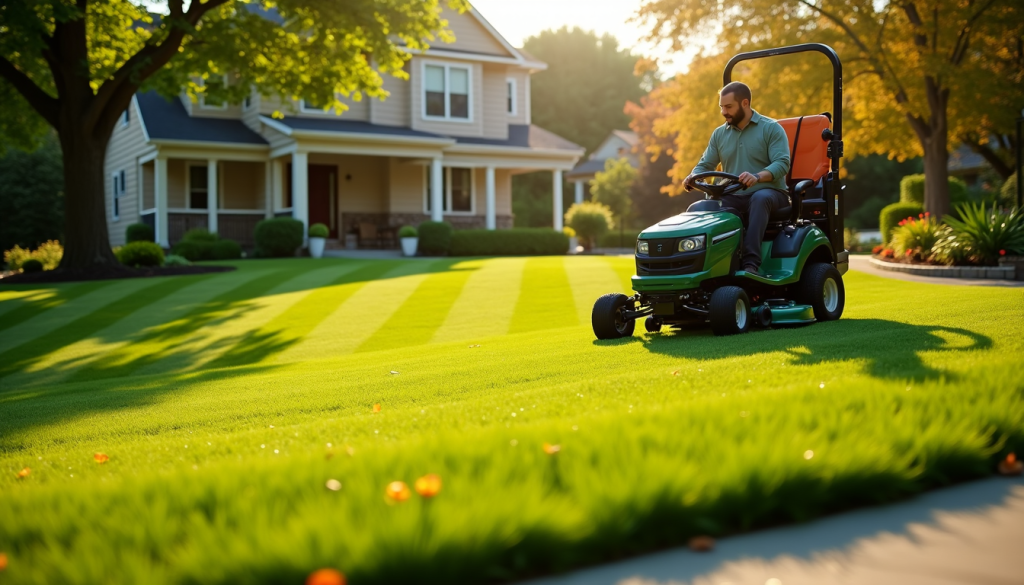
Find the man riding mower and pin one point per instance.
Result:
(780, 265)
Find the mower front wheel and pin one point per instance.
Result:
(652, 324)
(729, 311)
(607, 319)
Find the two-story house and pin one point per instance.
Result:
(443, 146)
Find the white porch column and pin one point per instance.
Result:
(579, 191)
(436, 190)
(212, 196)
(556, 179)
(268, 189)
(276, 186)
(300, 191)
(491, 219)
(160, 194)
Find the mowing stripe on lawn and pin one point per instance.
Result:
(11, 300)
(29, 307)
(591, 277)
(152, 347)
(625, 272)
(360, 315)
(484, 307)
(422, 314)
(545, 299)
(94, 297)
(297, 321)
(22, 356)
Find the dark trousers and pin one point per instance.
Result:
(758, 206)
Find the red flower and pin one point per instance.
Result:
(926, 214)
(909, 253)
(920, 215)
(1002, 252)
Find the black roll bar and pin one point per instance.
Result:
(836, 143)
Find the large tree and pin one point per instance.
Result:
(75, 65)
(920, 73)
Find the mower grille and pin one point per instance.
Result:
(678, 265)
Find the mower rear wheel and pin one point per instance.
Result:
(729, 311)
(821, 287)
(652, 324)
(607, 319)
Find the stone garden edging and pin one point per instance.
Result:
(978, 272)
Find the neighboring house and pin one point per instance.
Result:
(443, 146)
(619, 144)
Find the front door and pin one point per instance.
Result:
(323, 196)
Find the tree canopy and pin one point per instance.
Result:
(613, 187)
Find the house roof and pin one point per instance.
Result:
(525, 136)
(586, 168)
(167, 120)
(335, 124)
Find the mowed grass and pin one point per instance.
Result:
(226, 401)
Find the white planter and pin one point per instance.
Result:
(409, 246)
(316, 247)
(573, 242)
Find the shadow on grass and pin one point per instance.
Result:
(889, 349)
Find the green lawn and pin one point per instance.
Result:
(226, 401)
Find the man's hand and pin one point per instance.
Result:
(688, 183)
(749, 180)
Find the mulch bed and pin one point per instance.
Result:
(107, 273)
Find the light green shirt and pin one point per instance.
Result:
(761, 146)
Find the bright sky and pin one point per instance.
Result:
(520, 19)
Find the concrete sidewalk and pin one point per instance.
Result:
(972, 534)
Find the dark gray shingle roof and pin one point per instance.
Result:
(335, 124)
(525, 136)
(168, 120)
(587, 167)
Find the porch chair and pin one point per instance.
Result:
(367, 234)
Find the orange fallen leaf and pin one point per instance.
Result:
(325, 577)
(3, 562)
(1010, 465)
(675, 373)
(101, 457)
(702, 543)
(552, 449)
(376, 408)
(429, 485)
(398, 491)
(24, 473)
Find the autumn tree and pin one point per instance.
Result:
(920, 76)
(613, 186)
(76, 64)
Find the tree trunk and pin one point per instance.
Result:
(86, 241)
(933, 134)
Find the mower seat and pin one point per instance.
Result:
(809, 161)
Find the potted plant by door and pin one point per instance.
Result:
(318, 233)
(410, 240)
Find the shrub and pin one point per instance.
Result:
(615, 239)
(569, 232)
(138, 254)
(407, 231)
(175, 260)
(893, 214)
(988, 234)
(513, 242)
(914, 237)
(435, 237)
(278, 237)
(32, 265)
(199, 250)
(1008, 192)
(48, 253)
(590, 221)
(199, 235)
(912, 190)
(949, 249)
(139, 232)
(319, 230)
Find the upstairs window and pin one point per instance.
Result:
(126, 116)
(198, 186)
(446, 92)
(510, 97)
(117, 181)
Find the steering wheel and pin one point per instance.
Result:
(730, 184)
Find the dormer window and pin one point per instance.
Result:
(446, 92)
(209, 103)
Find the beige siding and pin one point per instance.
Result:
(148, 186)
(450, 128)
(395, 110)
(270, 104)
(470, 35)
(407, 182)
(176, 184)
(251, 115)
(495, 110)
(242, 185)
(502, 192)
(274, 138)
(362, 181)
(127, 144)
(521, 76)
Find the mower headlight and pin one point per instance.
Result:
(691, 244)
(642, 247)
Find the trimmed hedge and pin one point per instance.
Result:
(278, 237)
(137, 254)
(199, 235)
(31, 265)
(893, 214)
(611, 239)
(435, 237)
(912, 190)
(198, 250)
(139, 232)
(513, 242)
(319, 230)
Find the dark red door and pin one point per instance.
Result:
(323, 196)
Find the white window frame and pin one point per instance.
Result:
(447, 203)
(447, 93)
(303, 108)
(117, 180)
(126, 116)
(202, 97)
(510, 84)
(247, 103)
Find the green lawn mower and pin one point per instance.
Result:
(687, 266)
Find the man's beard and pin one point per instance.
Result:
(737, 119)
